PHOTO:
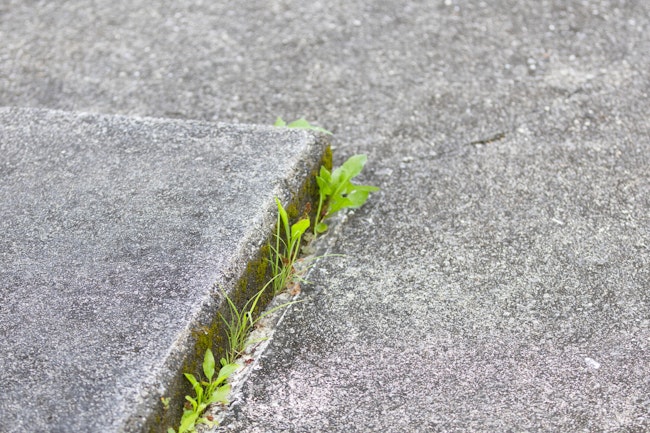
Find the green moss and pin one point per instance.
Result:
(213, 336)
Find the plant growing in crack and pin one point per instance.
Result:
(285, 249)
(336, 191)
(242, 322)
(300, 124)
(209, 391)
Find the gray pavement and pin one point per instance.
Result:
(119, 235)
(499, 281)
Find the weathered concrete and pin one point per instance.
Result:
(118, 235)
(506, 256)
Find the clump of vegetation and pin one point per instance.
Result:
(336, 191)
(242, 322)
(209, 391)
(285, 250)
(300, 124)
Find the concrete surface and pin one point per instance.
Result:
(499, 281)
(118, 236)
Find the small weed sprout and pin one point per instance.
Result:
(206, 392)
(336, 191)
(242, 322)
(300, 124)
(285, 252)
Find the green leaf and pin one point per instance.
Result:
(350, 168)
(171, 430)
(357, 198)
(303, 124)
(354, 165)
(321, 228)
(324, 187)
(280, 123)
(283, 216)
(300, 123)
(225, 372)
(220, 395)
(193, 402)
(188, 421)
(299, 228)
(208, 364)
(337, 203)
(195, 383)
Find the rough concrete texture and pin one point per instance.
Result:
(499, 281)
(118, 236)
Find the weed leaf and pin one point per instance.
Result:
(283, 216)
(208, 364)
(225, 372)
(336, 191)
(300, 124)
(188, 421)
(220, 395)
(299, 228)
(195, 384)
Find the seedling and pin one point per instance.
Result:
(242, 322)
(206, 392)
(286, 249)
(300, 124)
(336, 191)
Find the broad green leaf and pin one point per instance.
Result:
(354, 165)
(280, 123)
(348, 170)
(188, 421)
(208, 364)
(357, 198)
(321, 228)
(304, 124)
(325, 174)
(324, 187)
(337, 203)
(198, 389)
(300, 123)
(299, 228)
(220, 395)
(225, 372)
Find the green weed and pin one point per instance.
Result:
(206, 392)
(242, 322)
(336, 191)
(300, 124)
(286, 249)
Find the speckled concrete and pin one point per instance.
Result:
(499, 281)
(118, 236)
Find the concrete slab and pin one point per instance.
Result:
(502, 288)
(118, 235)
